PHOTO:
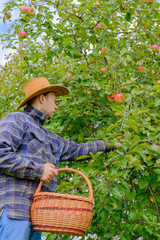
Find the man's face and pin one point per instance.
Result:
(49, 106)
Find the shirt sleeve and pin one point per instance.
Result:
(71, 150)
(11, 136)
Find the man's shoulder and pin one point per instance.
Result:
(18, 118)
(14, 115)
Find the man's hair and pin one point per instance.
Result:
(30, 102)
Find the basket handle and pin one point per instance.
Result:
(71, 170)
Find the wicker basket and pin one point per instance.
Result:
(64, 214)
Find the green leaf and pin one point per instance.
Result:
(143, 182)
(128, 17)
(82, 157)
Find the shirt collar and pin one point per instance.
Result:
(36, 114)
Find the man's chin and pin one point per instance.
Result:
(50, 116)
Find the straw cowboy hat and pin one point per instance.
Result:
(39, 86)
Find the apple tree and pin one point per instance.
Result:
(107, 52)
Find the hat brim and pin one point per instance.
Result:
(57, 89)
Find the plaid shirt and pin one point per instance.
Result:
(25, 146)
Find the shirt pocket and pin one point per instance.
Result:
(35, 141)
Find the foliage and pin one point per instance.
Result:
(66, 36)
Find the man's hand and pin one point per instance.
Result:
(49, 172)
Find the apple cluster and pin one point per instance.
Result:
(29, 12)
(117, 97)
(155, 48)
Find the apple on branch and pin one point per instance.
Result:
(23, 9)
(31, 11)
(22, 34)
(117, 114)
(69, 76)
(155, 48)
(111, 97)
(120, 137)
(153, 72)
(150, 1)
(119, 97)
(141, 69)
(104, 69)
(104, 51)
(98, 25)
(89, 92)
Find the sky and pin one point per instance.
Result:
(3, 28)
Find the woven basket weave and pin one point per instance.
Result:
(64, 214)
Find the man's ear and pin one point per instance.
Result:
(41, 98)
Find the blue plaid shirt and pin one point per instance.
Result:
(25, 146)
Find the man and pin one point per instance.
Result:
(30, 153)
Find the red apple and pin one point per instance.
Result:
(120, 137)
(103, 69)
(23, 9)
(117, 114)
(31, 11)
(148, 45)
(144, 26)
(158, 81)
(69, 74)
(149, 1)
(141, 69)
(79, 54)
(22, 34)
(119, 97)
(98, 25)
(104, 50)
(153, 72)
(89, 92)
(110, 97)
(155, 47)
(116, 66)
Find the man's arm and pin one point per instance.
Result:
(71, 150)
(11, 136)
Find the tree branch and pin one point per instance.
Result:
(121, 129)
(99, 105)
(126, 32)
(138, 23)
(140, 141)
(97, 61)
(155, 203)
(95, 25)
